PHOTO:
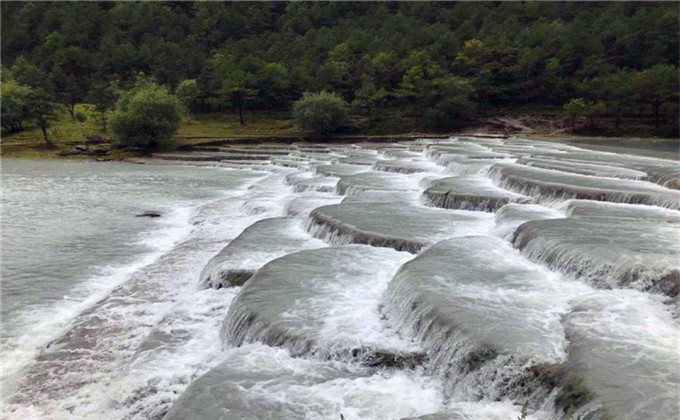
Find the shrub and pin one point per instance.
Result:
(146, 117)
(321, 113)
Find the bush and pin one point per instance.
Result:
(146, 117)
(321, 113)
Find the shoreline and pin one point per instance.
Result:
(650, 147)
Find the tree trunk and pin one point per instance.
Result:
(591, 121)
(240, 110)
(72, 110)
(104, 121)
(573, 124)
(48, 142)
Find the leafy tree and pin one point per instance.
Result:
(616, 91)
(28, 74)
(656, 86)
(449, 102)
(43, 110)
(322, 113)
(188, 92)
(67, 90)
(14, 98)
(273, 83)
(81, 118)
(575, 108)
(146, 117)
(103, 96)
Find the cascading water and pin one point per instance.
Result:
(433, 279)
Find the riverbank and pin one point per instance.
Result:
(87, 141)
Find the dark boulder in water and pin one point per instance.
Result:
(150, 213)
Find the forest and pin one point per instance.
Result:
(442, 62)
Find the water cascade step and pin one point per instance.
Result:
(546, 184)
(607, 252)
(402, 226)
(258, 244)
(485, 315)
(323, 301)
(470, 193)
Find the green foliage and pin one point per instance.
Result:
(321, 113)
(146, 117)
(263, 56)
(15, 100)
(188, 93)
(43, 110)
(103, 96)
(449, 102)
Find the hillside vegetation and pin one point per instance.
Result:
(416, 65)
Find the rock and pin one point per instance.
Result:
(398, 225)
(550, 185)
(81, 147)
(392, 360)
(322, 302)
(257, 245)
(470, 193)
(480, 311)
(605, 251)
(150, 214)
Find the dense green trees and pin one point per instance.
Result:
(440, 61)
(321, 113)
(146, 116)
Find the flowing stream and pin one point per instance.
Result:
(461, 278)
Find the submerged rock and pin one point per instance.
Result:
(623, 359)
(398, 225)
(260, 243)
(470, 193)
(404, 166)
(512, 215)
(257, 382)
(546, 184)
(340, 169)
(606, 252)
(484, 314)
(589, 208)
(376, 181)
(584, 168)
(322, 301)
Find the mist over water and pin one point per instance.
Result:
(433, 279)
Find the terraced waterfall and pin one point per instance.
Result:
(460, 278)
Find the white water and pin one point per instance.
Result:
(137, 329)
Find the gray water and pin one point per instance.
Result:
(452, 278)
(70, 235)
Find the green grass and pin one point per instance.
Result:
(226, 126)
(65, 132)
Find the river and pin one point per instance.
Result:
(451, 278)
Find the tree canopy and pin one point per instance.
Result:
(440, 60)
(146, 116)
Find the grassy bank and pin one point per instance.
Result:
(66, 132)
